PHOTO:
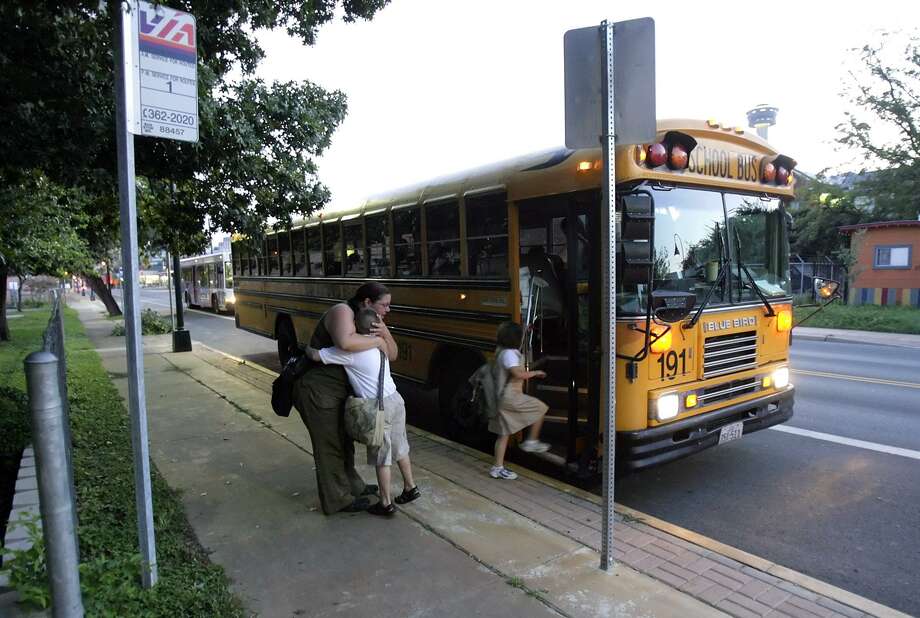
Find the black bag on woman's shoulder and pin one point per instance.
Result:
(283, 386)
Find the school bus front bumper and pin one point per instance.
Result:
(657, 445)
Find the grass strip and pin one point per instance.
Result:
(887, 319)
(189, 584)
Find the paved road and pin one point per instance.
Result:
(838, 499)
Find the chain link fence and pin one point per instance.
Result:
(804, 270)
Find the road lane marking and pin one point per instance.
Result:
(871, 446)
(843, 376)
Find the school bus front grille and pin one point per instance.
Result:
(729, 390)
(725, 354)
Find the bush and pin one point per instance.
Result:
(32, 303)
(152, 323)
(14, 420)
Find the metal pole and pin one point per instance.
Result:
(124, 69)
(54, 488)
(182, 339)
(172, 317)
(608, 322)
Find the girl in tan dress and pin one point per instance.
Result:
(515, 409)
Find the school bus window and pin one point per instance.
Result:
(314, 251)
(332, 248)
(271, 249)
(407, 236)
(236, 250)
(487, 236)
(378, 244)
(354, 249)
(284, 253)
(757, 233)
(255, 266)
(298, 249)
(443, 223)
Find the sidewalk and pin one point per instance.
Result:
(840, 335)
(471, 546)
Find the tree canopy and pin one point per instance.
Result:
(883, 125)
(258, 140)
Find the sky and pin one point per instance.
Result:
(436, 87)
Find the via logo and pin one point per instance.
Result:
(166, 32)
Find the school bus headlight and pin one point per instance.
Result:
(666, 407)
(690, 400)
(781, 377)
(663, 343)
(784, 320)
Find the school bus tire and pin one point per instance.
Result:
(287, 338)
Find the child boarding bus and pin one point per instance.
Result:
(703, 298)
(207, 282)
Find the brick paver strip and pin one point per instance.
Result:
(723, 582)
(711, 577)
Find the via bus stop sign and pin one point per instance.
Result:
(167, 66)
(633, 83)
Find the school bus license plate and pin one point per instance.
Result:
(731, 432)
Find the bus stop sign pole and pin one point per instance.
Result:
(156, 94)
(126, 71)
(616, 101)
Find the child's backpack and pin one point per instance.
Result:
(487, 384)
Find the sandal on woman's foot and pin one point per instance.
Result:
(408, 495)
(380, 509)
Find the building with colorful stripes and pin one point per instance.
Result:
(887, 268)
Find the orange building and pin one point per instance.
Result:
(887, 268)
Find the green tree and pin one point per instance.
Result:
(823, 208)
(39, 233)
(883, 125)
(258, 140)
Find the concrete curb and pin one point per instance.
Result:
(755, 562)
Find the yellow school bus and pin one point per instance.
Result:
(702, 291)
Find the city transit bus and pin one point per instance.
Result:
(702, 290)
(207, 281)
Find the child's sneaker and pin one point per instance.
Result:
(534, 446)
(501, 472)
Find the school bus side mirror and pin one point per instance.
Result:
(672, 306)
(826, 288)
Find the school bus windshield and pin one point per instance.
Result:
(693, 244)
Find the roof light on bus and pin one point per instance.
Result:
(713, 124)
(782, 176)
(679, 157)
(657, 155)
(663, 342)
(769, 173)
(640, 154)
(739, 130)
(462, 296)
